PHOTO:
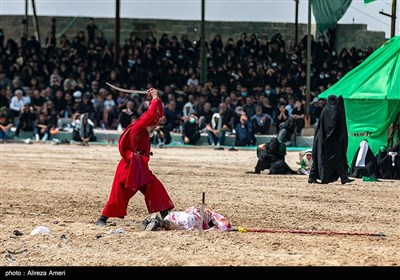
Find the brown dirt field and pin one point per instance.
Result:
(64, 187)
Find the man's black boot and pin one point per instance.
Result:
(164, 213)
(101, 221)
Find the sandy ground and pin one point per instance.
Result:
(65, 187)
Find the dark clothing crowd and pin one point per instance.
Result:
(45, 87)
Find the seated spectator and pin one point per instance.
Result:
(205, 115)
(261, 122)
(86, 133)
(282, 116)
(364, 163)
(27, 120)
(162, 135)
(305, 163)
(191, 130)
(216, 136)
(108, 113)
(76, 126)
(249, 108)
(5, 127)
(244, 132)
(298, 116)
(286, 131)
(173, 116)
(37, 100)
(187, 111)
(86, 106)
(236, 118)
(50, 111)
(315, 111)
(41, 130)
(389, 162)
(16, 103)
(125, 116)
(193, 81)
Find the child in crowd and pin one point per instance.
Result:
(305, 163)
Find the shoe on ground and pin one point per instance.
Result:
(347, 180)
(153, 225)
(252, 172)
(312, 181)
(16, 232)
(265, 171)
(143, 224)
(100, 223)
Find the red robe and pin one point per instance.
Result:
(133, 173)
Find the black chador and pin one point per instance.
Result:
(273, 158)
(364, 162)
(389, 163)
(330, 144)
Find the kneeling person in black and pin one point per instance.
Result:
(271, 158)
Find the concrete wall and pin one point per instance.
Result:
(112, 136)
(347, 34)
(357, 35)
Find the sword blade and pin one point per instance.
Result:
(127, 90)
(203, 204)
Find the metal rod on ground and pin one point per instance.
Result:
(319, 232)
(203, 204)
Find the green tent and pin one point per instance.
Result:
(371, 93)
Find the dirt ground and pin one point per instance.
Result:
(64, 187)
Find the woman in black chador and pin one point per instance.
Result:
(330, 144)
(389, 162)
(364, 163)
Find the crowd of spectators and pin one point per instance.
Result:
(256, 85)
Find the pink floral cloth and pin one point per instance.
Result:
(191, 219)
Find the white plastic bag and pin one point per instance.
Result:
(40, 230)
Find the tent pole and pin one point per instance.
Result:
(36, 20)
(393, 19)
(117, 31)
(203, 50)
(296, 26)
(26, 18)
(308, 82)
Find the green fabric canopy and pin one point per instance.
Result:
(371, 93)
(328, 13)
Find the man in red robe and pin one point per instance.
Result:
(133, 173)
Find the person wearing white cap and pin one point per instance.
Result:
(77, 95)
(305, 163)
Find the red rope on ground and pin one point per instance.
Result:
(242, 229)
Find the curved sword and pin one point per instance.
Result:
(128, 90)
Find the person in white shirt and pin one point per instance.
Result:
(16, 104)
(193, 81)
(109, 106)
